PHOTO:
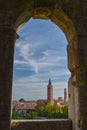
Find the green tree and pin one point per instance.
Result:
(14, 114)
(57, 111)
(22, 100)
(48, 110)
(65, 111)
(57, 108)
(32, 114)
(40, 110)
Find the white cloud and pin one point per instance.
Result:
(43, 55)
(41, 79)
(35, 90)
(49, 58)
(20, 62)
(26, 53)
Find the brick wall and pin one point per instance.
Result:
(42, 125)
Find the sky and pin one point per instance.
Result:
(40, 54)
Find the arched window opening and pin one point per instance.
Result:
(40, 60)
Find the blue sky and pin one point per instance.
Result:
(40, 53)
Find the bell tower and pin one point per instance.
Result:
(50, 92)
(65, 95)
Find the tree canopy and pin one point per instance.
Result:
(22, 100)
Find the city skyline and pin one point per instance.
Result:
(40, 54)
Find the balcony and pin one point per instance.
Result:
(52, 124)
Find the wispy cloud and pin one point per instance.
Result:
(42, 53)
(26, 53)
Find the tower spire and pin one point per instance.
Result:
(49, 81)
(50, 92)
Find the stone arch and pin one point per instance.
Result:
(71, 17)
(61, 19)
(55, 14)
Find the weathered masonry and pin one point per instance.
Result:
(71, 17)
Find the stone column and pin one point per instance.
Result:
(81, 81)
(71, 101)
(72, 96)
(7, 40)
(78, 102)
(77, 61)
